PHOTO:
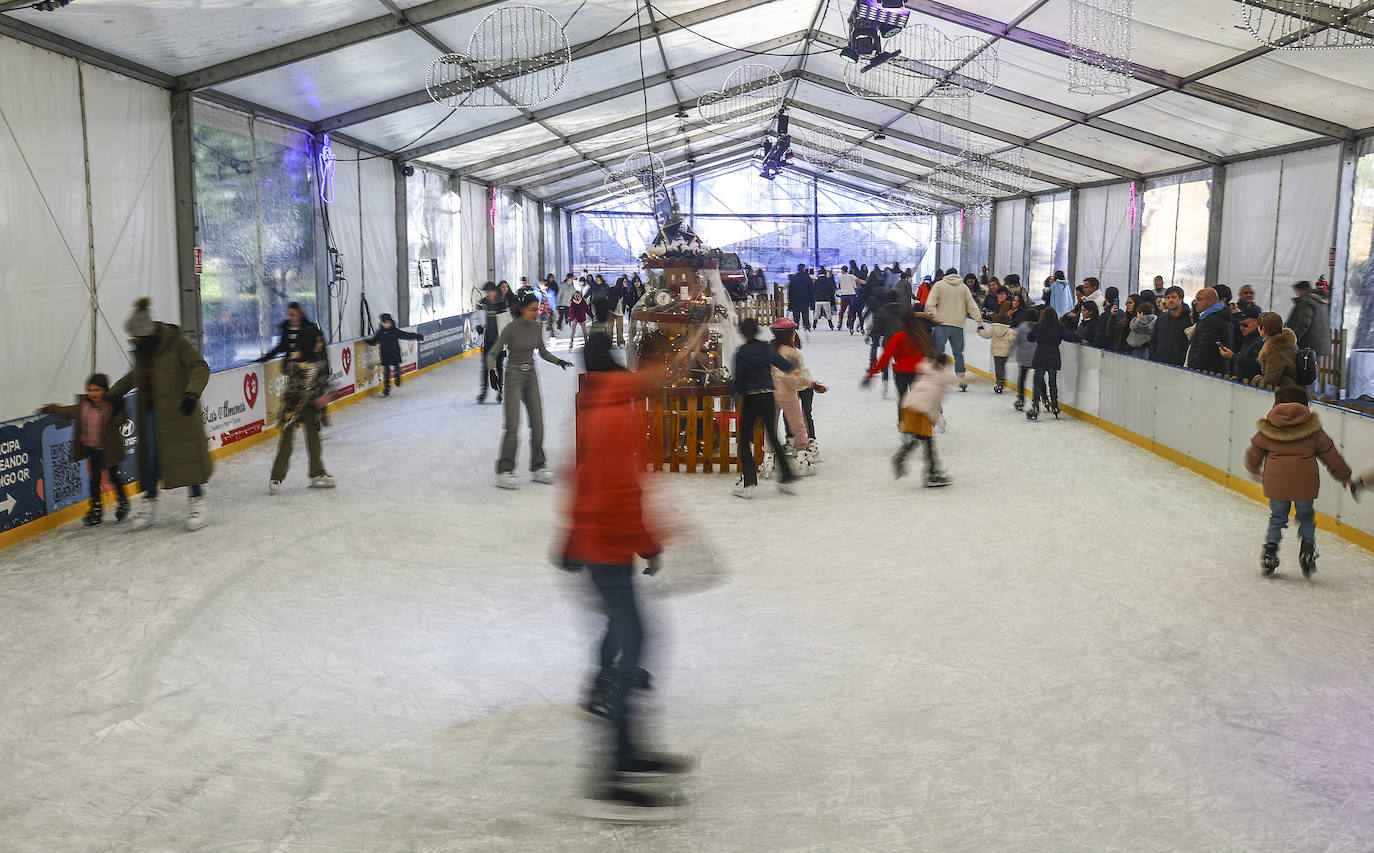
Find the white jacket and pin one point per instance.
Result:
(1002, 337)
(847, 282)
(951, 301)
(787, 385)
(927, 393)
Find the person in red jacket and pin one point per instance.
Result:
(608, 527)
(904, 351)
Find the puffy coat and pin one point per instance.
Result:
(1170, 342)
(787, 383)
(1002, 337)
(801, 290)
(1142, 330)
(606, 517)
(1289, 441)
(579, 311)
(1047, 337)
(927, 393)
(824, 290)
(177, 369)
(902, 352)
(1025, 347)
(1278, 360)
(1212, 332)
(110, 440)
(1310, 321)
(951, 302)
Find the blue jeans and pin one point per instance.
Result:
(954, 336)
(150, 465)
(1278, 520)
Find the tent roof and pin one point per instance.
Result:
(1205, 91)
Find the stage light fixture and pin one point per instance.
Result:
(879, 136)
(880, 58)
(849, 54)
(888, 17)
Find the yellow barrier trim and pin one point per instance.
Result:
(57, 519)
(1239, 485)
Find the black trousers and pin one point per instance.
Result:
(1022, 371)
(801, 315)
(932, 464)
(903, 382)
(98, 467)
(999, 367)
(754, 408)
(1052, 398)
(386, 374)
(621, 648)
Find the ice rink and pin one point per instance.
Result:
(1071, 649)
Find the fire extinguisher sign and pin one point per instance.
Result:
(198, 265)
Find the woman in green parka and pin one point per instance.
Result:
(169, 375)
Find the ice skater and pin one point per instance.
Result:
(389, 338)
(1283, 456)
(1003, 338)
(1023, 324)
(579, 311)
(99, 441)
(608, 526)
(1047, 335)
(172, 451)
(921, 408)
(787, 388)
(521, 338)
(753, 377)
(904, 352)
(306, 367)
(496, 316)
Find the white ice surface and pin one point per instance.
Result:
(1071, 649)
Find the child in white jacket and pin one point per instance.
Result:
(1003, 337)
(787, 388)
(920, 411)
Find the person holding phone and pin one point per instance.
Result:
(1212, 336)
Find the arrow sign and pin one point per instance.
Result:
(8, 504)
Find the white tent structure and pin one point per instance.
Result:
(1227, 161)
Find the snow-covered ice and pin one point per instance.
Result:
(1071, 649)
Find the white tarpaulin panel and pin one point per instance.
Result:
(533, 242)
(379, 235)
(1278, 223)
(1104, 236)
(45, 304)
(476, 257)
(346, 234)
(1009, 253)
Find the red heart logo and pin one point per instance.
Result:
(250, 388)
(347, 359)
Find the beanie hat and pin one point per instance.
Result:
(783, 325)
(387, 318)
(1303, 286)
(140, 323)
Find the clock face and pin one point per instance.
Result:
(663, 299)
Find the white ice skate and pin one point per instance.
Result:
(766, 466)
(507, 480)
(813, 450)
(323, 481)
(144, 514)
(801, 464)
(197, 518)
(543, 475)
(743, 491)
(273, 486)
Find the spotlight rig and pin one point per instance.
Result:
(777, 153)
(870, 23)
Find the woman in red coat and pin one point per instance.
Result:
(607, 530)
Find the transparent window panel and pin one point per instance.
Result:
(1359, 282)
(432, 217)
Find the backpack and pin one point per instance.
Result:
(1306, 368)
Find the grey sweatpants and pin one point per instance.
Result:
(522, 387)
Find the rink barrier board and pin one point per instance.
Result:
(54, 520)
(1092, 385)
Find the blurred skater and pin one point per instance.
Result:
(607, 528)
(306, 368)
(753, 377)
(496, 314)
(921, 407)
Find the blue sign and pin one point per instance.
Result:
(446, 338)
(21, 471)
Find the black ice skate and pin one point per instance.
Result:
(94, 515)
(1020, 404)
(1033, 414)
(899, 464)
(648, 767)
(482, 396)
(386, 392)
(1307, 558)
(998, 386)
(937, 480)
(1269, 558)
(1054, 409)
(619, 804)
(122, 510)
(602, 695)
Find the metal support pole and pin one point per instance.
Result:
(992, 241)
(1133, 273)
(402, 247)
(1073, 271)
(1345, 206)
(542, 265)
(1028, 214)
(184, 188)
(489, 225)
(1214, 225)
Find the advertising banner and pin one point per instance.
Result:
(447, 338)
(273, 386)
(233, 406)
(341, 382)
(22, 487)
(367, 366)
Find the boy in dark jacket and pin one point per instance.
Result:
(1169, 345)
(753, 378)
(389, 338)
(98, 438)
(1283, 456)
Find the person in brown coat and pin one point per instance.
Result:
(1283, 456)
(1278, 356)
(98, 438)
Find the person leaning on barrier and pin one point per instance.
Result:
(1213, 334)
(1278, 356)
(1245, 358)
(1310, 319)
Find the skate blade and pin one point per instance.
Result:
(606, 811)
